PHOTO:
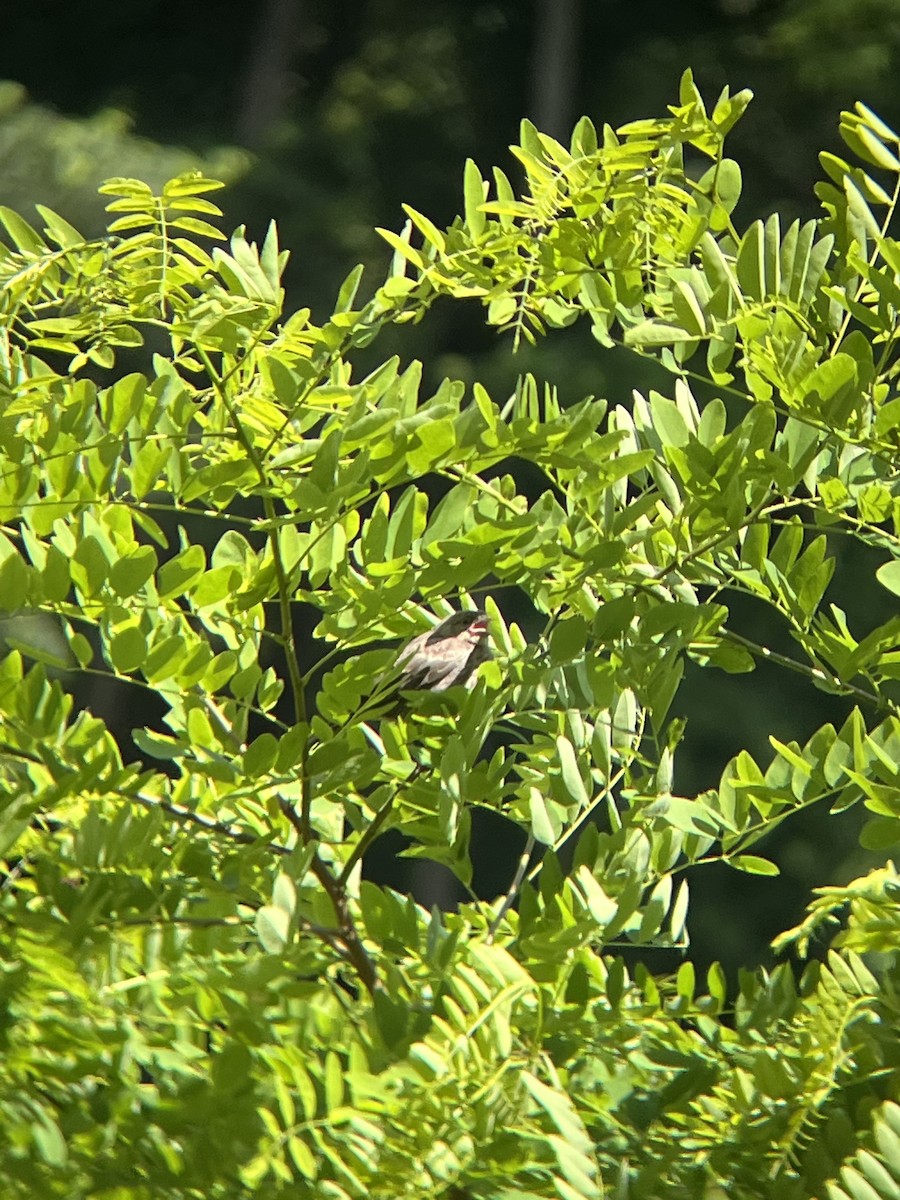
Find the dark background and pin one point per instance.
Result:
(328, 114)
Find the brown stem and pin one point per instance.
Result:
(206, 823)
(288, 640)
(356, 951)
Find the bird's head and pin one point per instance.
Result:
(472, 626)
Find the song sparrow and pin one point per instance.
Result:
(447, 655)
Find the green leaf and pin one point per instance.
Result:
(728, 184)
(570, 772)
(284, 894)
(14, 579)
(475, 196)
(751, 864)
(20, 232)
(49, 1141)
(176, 575)
(717, 983)
(90, 566)
(273, 928)
(129, 573)
(430, 231)
(127, 649)
(260, 755)
(402, 247)
(502, 309)
(655, 333)
(59, 230)
(542, 826)
(888, 575)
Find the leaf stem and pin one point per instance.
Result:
(284, 599)
(817, 674)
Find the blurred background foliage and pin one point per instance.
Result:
(328, 114)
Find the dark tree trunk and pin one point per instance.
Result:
(267, 81)
(555, 66)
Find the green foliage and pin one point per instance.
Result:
(200, 993)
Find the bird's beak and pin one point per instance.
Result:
(479, 626)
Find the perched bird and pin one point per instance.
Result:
(447, 655)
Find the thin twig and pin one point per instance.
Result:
(511, 896)
(206, 823)
(357, 954)
(603, 794)
(817, 674)
(284, 601)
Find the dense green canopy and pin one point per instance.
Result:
(202, 995)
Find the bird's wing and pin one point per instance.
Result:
(442, 667)
(450, 664)
(411, 648)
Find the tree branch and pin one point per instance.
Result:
(357, 954)
(817, 674)
(205, 823)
